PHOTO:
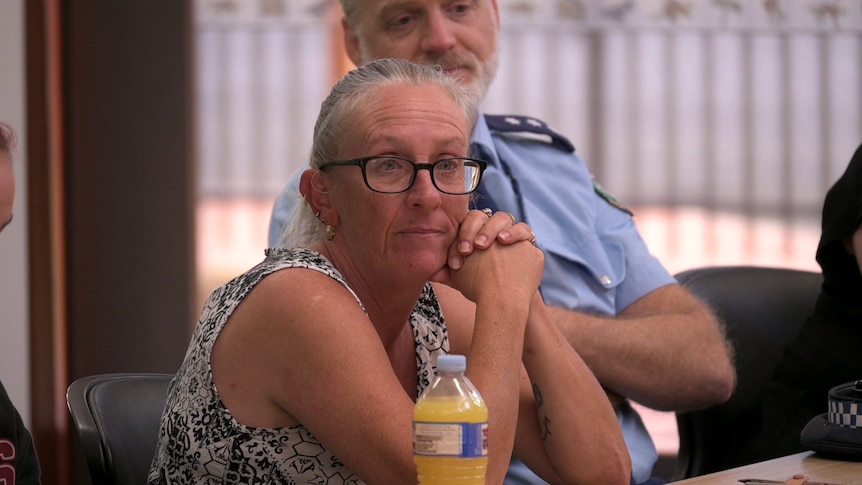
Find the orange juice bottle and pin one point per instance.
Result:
(450, 428)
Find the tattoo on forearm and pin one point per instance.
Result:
(538, 394)
(546, 421)
(546, 428)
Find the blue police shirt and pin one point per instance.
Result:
(595, 260)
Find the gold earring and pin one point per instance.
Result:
(330, 233)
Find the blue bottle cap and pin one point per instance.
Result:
(452, 363)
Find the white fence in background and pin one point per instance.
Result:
(721, 122)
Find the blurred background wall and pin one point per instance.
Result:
(720, 123)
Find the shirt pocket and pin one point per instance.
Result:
(599, 265)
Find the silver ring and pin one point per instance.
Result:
(514, 221)
(488, 212)
(533, 238)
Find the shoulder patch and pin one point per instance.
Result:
(527, 125)
(610, 198)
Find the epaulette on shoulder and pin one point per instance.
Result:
(528, 126)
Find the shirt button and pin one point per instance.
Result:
(606, 280)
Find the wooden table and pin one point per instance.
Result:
(813, 466)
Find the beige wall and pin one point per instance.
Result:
(14, 336)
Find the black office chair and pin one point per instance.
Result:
(117, 417)
(763, 309)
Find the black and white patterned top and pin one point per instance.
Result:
(200, 442)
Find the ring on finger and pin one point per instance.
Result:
(533, 238)
(488, 212)
(514, 221)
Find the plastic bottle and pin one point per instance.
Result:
(450, 428)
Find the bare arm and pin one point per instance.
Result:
(567, 423)
(486, 309)
(300, 350)
(549, 435)
(560, 409)
(666, 350)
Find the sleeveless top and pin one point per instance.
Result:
(200, 442)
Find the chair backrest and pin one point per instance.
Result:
(763, 309)
(117, 417)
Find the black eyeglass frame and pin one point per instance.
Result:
(363, 161)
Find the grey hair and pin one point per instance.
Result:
(338, 111)
(7, 139)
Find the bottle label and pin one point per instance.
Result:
(462, 440)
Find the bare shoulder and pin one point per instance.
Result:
(297, 309)
(289, 335)
(297, 295)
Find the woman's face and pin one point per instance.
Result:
(7, 189)
(410, 230)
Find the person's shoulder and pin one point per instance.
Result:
(8, 411)
(300, 273)
(527, 128)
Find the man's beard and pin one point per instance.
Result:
(481, 73)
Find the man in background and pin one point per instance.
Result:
(644, 336)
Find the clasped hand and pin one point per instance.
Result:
(486, 255)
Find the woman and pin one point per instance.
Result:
(311, 373)
(18, 458)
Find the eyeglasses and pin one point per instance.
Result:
(392, 175)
